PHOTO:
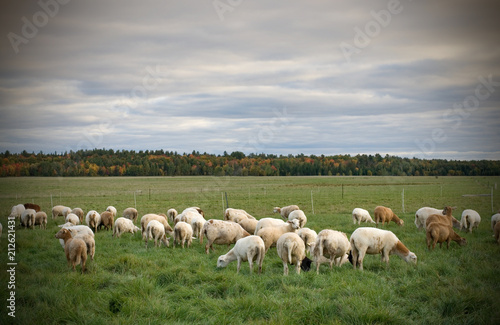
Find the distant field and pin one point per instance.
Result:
(127, 284)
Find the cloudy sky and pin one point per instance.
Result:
(407, 78)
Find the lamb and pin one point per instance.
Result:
(111, 209)
(79, 213)
(250, 248)
(130, 213)
(28, 218)
(299, 215)
(368, 240)
(221, 232)
(285, 211)
(439, 232)
(496, 230)
(107, 220)
(248, 224)
(270, 235)
(470, 219)
(331, 243)
(60, 210)
(291, 249)
(171, 214)
(41, 219)
(33, 206)
(495, 219)
(384, 214)
(267, 222)
(74, 248)
(183, 233)
(443, 216)
(16, 211)
(236, 214)
(361, 215)
(159, 217)
(123, 225)
(308, 236)
(156, 231)
(93, 219)
(72, 218)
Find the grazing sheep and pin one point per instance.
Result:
(309, 237)
(439, 232)
(41, 219)
(236, 214)
(422, 214)
(361, 215)
(72, 218)
(60, 210)
(248, 224)
(123, 225)
(470, 219)
(156, 231)
(93, 219)
(171, 214)
(33, 206)
(16, 211)
(443, 216)
(74, 248)
(368, 240)
(221, 232)
(333, 244)
(496, 230)
(384, 214)
(268, 222)
(270, 235)
(111, 209)
(188, 215)
(28, 218)
(80, 231)
(197, 224)
(107, 220)
(299, 215)
(292, 250)
(130, 213)
(494, 219)
(183, 233)
(285, 211)
(159, 217)
(250, 248)
(79, 213)
(89, 241)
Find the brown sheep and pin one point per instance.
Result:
(445, 218)
(107, 220)
(383, 215)
(35, 207)
(439, 232)
(74, 248)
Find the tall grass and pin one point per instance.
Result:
(129, 284)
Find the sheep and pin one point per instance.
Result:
(331, 243)
(292, 250)
(494, 219)
(16, 211)
(33, 206)
(470, 219)
(299, 215)
(197, 224)
(221, 232)
(89, 242)
(308, 236)
(107, 220)
(422, 214)
(93, 219)
(156, 231)
(384, 214)
(270, 235)
(250, 248)
(361, 215)
(285, 211)
(248, 224)
(188, 215)
(159, 217)
(74, 248)
(443, 216)
(72, 218)
(79, 213)
(439, 232)
(496, 230)
(183, 233)
(60, 210)
(123, 225)
(130, 213)
(236, 214)
(28, 218)
(368, 240)
(41, 219)
(266, 222)
(111, 209)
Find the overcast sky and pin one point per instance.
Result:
(406, 78)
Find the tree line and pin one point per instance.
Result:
(108, 162)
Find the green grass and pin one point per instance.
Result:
(129, 284)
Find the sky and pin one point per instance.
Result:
(406, 78)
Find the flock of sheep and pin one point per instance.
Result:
(253, 238)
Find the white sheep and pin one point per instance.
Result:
(494, 219)
(93, 219)
(285, 211)
(236, 214)
(221, 232)
(16, 211)
(28, 218)
(248, 224)
(470, 219)
(60, 210)
(171, 214)
(309, 237)
(271, 234)
(361, 215)
(250, 248)
(73, 218)
(111, 209)
(41, 219)
(197, 224)
(183, 233)
(74, 248)
(155, 230)
(159, 217)
(368, 240)
(130, 213)
(267, 222)
(292, 250)
(123, 225)
(79, 213)
(423, 213)
(188, 215)
(333, 244)
(300, 216)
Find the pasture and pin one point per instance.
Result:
(129, 284)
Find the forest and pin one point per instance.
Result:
(108, 162)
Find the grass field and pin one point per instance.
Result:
(129, 284)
